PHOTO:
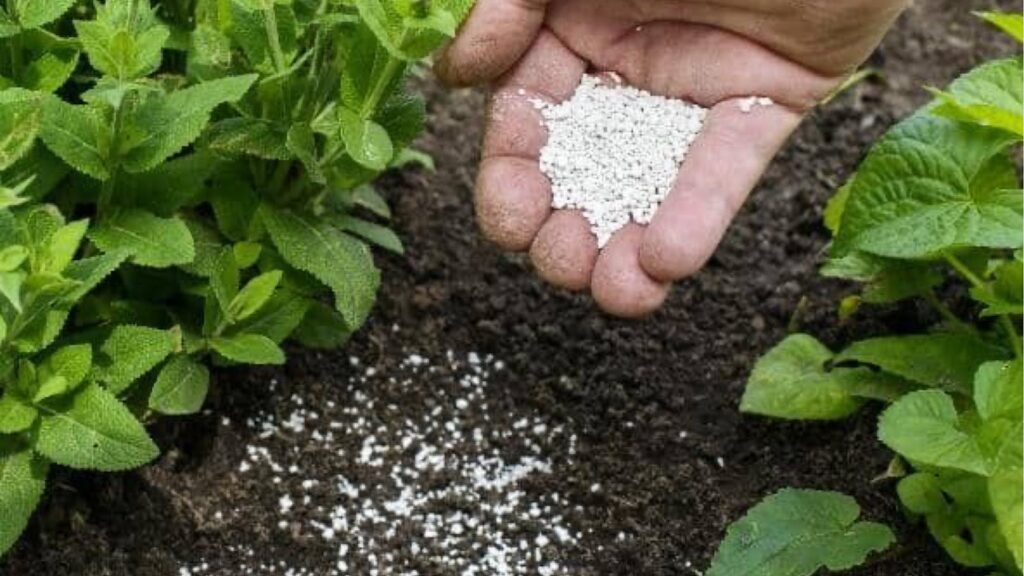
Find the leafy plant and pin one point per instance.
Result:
(184, 183)
(938, 195)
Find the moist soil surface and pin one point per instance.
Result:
(628, 390)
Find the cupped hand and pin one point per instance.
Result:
(712, 52)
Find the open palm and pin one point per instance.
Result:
(712, 52)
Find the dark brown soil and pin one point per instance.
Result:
(627, 388)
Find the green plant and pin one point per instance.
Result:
(215, 160)
(939, 194)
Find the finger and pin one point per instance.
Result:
(619, 284)
(494, 37)
(565, 251)
(513, 198)
(721, 168)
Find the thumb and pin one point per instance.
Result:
(496, 35)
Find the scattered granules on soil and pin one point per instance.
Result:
(613, 151)
(419, 492)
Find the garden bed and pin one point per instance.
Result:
(661, 461)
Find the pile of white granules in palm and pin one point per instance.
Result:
(613, 152)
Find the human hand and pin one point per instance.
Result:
(711, 52)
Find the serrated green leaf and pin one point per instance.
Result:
(16, 415)
(322, 327)
(250, 136)
(1012, 24)
(224, 280)
(989, 95)
(50, 71)
(339, 261)
(998, 390)
(798, 532)
(92, 430)
(175, 184)
(12, 257)
(78, 135)
(924, 427)
(21, 116)
(22, 482)
(124, 52)
(281, 315)
(790, 381)
(61, 246)
(164, 125)
(89, 272)
(946, 361)
(129, 353)
(929, 185)
(152, 241)
(181, 387)
(1005, 294)
(70, 363)
(366, 141)
(403, 117)
(248, 349)
(367, 197)
(253, 295)
(33, 13)
(1005, 492)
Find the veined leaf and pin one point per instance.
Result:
(946, 361)
(248, 349)
(16, 415)
(341, 262)
(998, 390)
(929, 185)
(78, 135)
(22, 481)
(152, 241)
(20, 122)
(279, 317)
(989, 95)
(254, 295)
(924, 427)
(92, 430)
(49, 71)
(33, 13)
(366, 141)
(129, 353)
(1012, 24)
(181, 387)
(798, 532)
(250, 136)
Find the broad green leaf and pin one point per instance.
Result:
(78, 135)
(92, 430)
(175, 184)
(89, 272)
(962, 536)
(16, 415)
(72, 363)
(924, 428)
(341, 262)
(62, 246)
(790, 381)
(248, 349)
(989, 95)
(249, 29)
(50, 71)
(885, 279)
(152, 241)
(796, 533)
(946, 361)
(43, 315)
(250, 136)
(367, 197)
(125, 52)
(180, 387)
(366, 141)
(403, 117)
(34, 13)
(254, 295)
(281, 315)
(163, 125)
(21, 116)
(921, 493)
(1012, 24)
(371, 74)
(12, 257)
(130, 352)
(22, 481)
(998, 390)
(929, 185)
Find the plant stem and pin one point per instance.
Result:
(393, 66)
(107, 191)
(976, 282)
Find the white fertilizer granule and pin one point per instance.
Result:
(613, 152)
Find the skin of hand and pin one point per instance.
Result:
(712, 52)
